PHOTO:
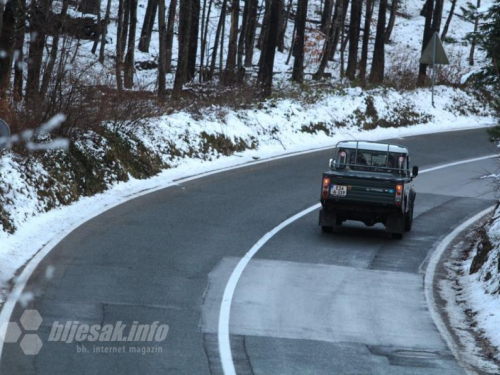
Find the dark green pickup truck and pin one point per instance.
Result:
(369, 182)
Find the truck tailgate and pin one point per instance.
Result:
(378, 192)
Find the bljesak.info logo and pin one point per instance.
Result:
(117, 338)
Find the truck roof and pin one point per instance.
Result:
(372, 146)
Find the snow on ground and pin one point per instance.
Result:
(402, 53)
(473, 300)
(277, 126)
(482, 289)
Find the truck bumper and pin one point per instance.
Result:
(391, 216)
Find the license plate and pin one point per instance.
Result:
(338, 190)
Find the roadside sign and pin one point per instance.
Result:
(4, 134)
(434, 54)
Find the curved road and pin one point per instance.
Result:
(308, 303)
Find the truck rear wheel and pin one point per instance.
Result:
(409, 219)
(326, 229)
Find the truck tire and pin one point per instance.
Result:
(409, 219)
(326, 229)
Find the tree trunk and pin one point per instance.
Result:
(19, 55)
(7, 41)
(184, 38)
(300, 20)
(147, 25)
(326, 16)
(47, 74)
(352, 61)
(130, 57)
(89, 6)
(392, 20)
(162, 84)
(39, 19)
(473, 44)
(193, 39)
(269, 48)
(2, 10)
(448, 20)
(119, 51)
(104, 32)
(422, 72)
(378, 64)
(222, 20)
(366, 39)
(243, 37)
(233, 40)
(342, 14)
(281, 32)
(265, 23)
(437, 16)
(252, 27)
(98, 33)
(170, 35)
(205, 20)
(329, 40)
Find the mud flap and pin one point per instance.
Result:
(327, 218)
(395, 224)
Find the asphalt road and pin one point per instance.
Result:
(309, 303)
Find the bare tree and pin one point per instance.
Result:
(378, 64)
(366, 38)
(162, 53)
(269, 48)
(89, 6)
(251, 30)
(39, 19)
(233, 40)
(184, 37)
(222, 20)
(193, 39)
(448, 20)
(429, 8)
(170, 35)
(7, 41)
(147, 25)
(105, 32)
(392, 20)
(473, 43)
(129, 66)
(265, 23)
(119, 51)
(18, 53)
(326, 16)
(352, 62)
(47, 74)
(300, 20)
(204, 30)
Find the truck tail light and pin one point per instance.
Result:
(399, 194)
(326, 186)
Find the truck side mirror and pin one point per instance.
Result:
(415, 171)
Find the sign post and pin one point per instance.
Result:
(4, 134)
(434, 54)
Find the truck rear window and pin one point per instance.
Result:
(366, 160)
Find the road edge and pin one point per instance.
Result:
(429, 286)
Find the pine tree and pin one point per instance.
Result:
(487, 39)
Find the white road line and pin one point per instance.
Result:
(429, 284)
(460, 162)
(225, 353)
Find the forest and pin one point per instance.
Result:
(222, 43)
